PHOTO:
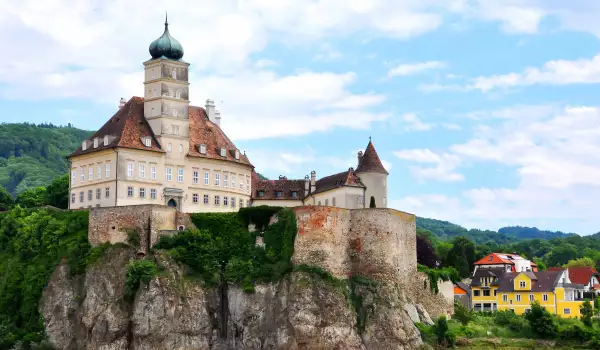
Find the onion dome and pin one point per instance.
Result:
(166, 46)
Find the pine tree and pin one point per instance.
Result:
(372, 204)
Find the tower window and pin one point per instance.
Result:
(174, 74)
(175, 112)
(169, 147)
(170, 92)
(153, 74)
(203, 148)
(180, 148)
(177, 94)
(155, 93)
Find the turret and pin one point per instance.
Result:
(306, 186)
(313, 181)
(373, 175)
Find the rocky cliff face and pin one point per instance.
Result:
(299, 312)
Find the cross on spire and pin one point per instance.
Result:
(166, 19)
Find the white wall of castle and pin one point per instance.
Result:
(342, 197)
(376, 187)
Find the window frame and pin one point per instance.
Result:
(107, 170)
(107, 192)
(130, 191)
(130, 168)
(142, 170)
(195, 176)
(180, 173)
(518, 297)
(153, 193)
(169, 173)
(206, 178)
(98, 194)
(195, 198)
(217, 179)
(142, 192)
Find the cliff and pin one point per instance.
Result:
(301, 311)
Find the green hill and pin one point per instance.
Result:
(34, 155)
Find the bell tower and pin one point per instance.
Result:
(166, 93)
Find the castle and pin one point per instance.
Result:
(161, 150)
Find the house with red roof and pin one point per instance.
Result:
(507, 262)
(587, 276)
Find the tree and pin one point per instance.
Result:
(462, 256)
(587, 312)
(372, 204)
(425, 253)
(561, 254)
(57, 193)
(462, 313)
(540, 320)
(581, 262)
(35, 197)
(540, 264)
(6, 199)
(597, 305)
(443, 335)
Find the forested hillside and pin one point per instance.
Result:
(34, 155)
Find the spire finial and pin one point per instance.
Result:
(369, 138)
(166, 20)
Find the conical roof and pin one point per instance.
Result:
(166, 46)
(370, 162)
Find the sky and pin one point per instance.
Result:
(485, 112)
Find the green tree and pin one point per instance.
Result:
(444, 336)
(581, 262)
(462, 256)
(372, 203)
(540, 320)
(587, 312)
(57, 193)
(597, 305)
(6, 199)
(462, 313)
(32, 198)
(561, 254)
(540, 263)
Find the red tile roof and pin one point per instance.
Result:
(128, 126)
(370, 162)
(269, 188)
(345, 178)
(581, 275)
(496, 258)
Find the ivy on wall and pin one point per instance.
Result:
(444, 274)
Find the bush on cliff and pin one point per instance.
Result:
(32, 243)
(222, 249)
(138, 272)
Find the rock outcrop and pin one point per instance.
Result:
(301, 311)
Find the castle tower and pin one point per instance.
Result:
(373, 175)
(166, 94)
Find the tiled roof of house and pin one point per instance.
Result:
(128, 126)
(499, 258)
(345, 178)
(464, 287)
(269, 188)
(124, 129)
(494, 272)
(370, 162)
(581, 275)
(546, 281)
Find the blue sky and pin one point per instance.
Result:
(484, 112)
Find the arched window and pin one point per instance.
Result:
(170, 92)
(177, 94)
(155, 93)
(153, 75)
(175, 112)
(180, 148)
(169, 147)
(174, 74)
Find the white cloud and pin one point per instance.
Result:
(413, 123)
(451, 126)
(415, 68)
(328, 53)
(444, 165)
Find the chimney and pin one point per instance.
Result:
(306, 185)
(210, 109)
(313, 181)
(360, 155)
(281, 177)
(218, 118)
(122, 103)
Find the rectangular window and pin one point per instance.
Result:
(241, 184)
(206, 177)
(233, 181)
(99, 172)
(90, 173)
(233, 202)
(107, 170)
(279, 193)
(73, 197)
(169, 171)
(518, 297)
(567, 311)
(241, 203)
(153, 172)
(195, 198)
(505, 298)
(247, 183)
(333, 201)
(129, 191)
(225, 201)
(247, 202)
(195, 176)
(225, 180)
(142, 192)
(82, 174)
(81, 196)
(294, 194)
(152, 193)
(522, 284)
(217, 200)
(89, 195)
(217, 179)
(142, 170)
(107, 192)
(179, 174)
(327, 202)
(205, 199)
(130, 169)
(495, 292)
(476, 293)
(545, 297)
(73, 176)
(98, 193)
(530, 297)
(486, 292)
(261, 193)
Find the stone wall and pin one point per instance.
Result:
(110, 224)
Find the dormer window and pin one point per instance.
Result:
(203, 149)
(278, 194)
(106, 140)
(261, 193)
(490, 258)
(237, 154)
(223, 152)
(95, 143)
(147, 142)
(84, 146)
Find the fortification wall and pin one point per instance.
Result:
(110, 224)
(322, 239)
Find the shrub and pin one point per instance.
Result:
(461, 313)
(509, 319)
(372, 203)
(575, 332)
(443, 335)
(138, 272)
(587, 312)
(541, 321)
